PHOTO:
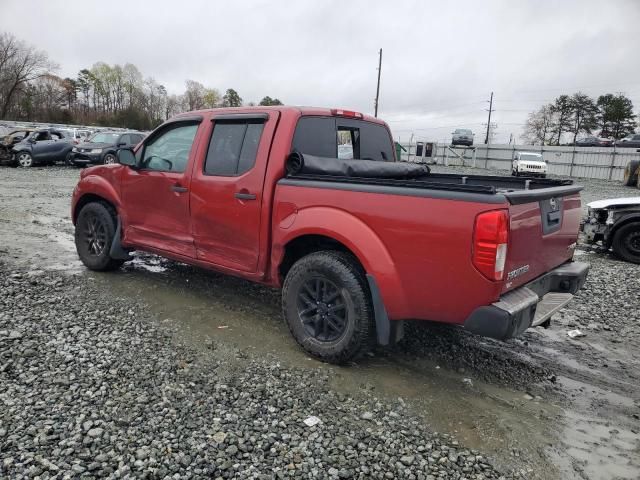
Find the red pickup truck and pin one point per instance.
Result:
(312, 201)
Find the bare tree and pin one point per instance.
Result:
(173, 106)
(194, 95)
(19, 64)
(539, 126)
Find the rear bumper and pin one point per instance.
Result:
(530, 305)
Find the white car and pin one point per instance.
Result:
(529, 164)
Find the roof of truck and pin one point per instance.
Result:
(316, 111)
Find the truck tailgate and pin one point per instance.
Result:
(543, 231)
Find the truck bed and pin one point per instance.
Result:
(515, 190)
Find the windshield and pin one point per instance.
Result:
(104, 138)
(462, 131)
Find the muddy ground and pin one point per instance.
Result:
(543, 406)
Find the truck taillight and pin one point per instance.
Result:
(346, 113)
(490, 238)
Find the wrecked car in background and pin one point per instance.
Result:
(7, 142)
(615, 223)
(43, 146)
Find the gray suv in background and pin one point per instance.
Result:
(462, 136)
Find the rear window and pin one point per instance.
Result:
(342, 138)
(316, 136)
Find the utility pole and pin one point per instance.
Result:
(378, 88)
(486, 139)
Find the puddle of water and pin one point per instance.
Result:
(149, 264)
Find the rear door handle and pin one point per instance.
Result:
(245, 196)
(179, 188)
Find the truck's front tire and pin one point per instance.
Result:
(327, 306)
(95, 231)
(626, 242)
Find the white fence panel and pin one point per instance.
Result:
(605, 163)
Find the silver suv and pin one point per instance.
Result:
(462, 136)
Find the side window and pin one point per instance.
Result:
(169, 151)
(56, 136)
(233, 148)
(636, 138)
(124, 139)
(316, 136)
(41, 136)
(135, 138)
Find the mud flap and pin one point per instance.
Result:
(387, 332)
(117, 252)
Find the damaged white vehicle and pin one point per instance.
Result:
(529, 164)
(615, 223)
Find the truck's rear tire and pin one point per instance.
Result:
(631, 173)
(327, 306)
(626, 242)
(95, 231)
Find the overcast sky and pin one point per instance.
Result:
(440, 60)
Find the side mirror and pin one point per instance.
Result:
(31, 140)
(126, 157)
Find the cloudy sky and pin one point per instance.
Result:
(441, 59)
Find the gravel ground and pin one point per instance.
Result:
(140, 354)
(91, 388)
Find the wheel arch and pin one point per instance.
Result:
(322, 228)
(89, 198)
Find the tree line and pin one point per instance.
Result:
(104, 95)
(610, 116)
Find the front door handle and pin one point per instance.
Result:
(243, 195)
(179, 188)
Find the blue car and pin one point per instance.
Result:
(42, 147)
